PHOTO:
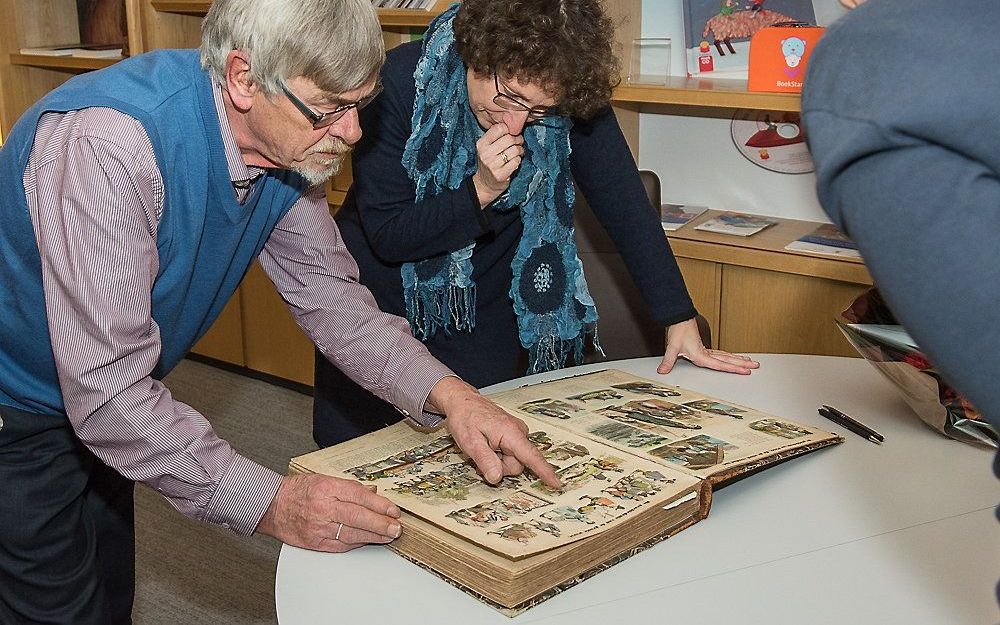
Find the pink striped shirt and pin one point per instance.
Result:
(95, 196)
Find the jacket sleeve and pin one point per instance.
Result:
(607, 175)
(907, 165)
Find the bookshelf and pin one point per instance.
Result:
(717, 272)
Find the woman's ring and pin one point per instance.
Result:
(505, 158)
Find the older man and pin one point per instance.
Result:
(132, 202)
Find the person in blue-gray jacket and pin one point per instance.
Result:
(901, 110)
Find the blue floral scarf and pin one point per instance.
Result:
(555, 312)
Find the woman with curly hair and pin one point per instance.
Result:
(461, 212)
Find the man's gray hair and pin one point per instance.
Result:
(335, 43)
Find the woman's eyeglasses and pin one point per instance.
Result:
(511, 103)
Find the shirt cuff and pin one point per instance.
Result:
(242, 496)
(409, 396)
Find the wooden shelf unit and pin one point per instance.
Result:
(394, 18)
(715, 93)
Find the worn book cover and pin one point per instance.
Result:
(637, 459)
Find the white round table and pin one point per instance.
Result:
(902, 532)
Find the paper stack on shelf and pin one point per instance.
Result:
(81, 50)
(98, 52)
(59, 50)
(826, 240)
(738, 224)
(673, 216)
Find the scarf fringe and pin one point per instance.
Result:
(430, 310)
(551, 352)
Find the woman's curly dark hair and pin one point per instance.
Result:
(564, 46)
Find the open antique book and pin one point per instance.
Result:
(638, 460)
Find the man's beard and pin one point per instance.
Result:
(318, 170)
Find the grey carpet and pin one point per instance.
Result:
(193, 573)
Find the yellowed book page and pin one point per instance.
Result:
(663, 423)
(426, 475)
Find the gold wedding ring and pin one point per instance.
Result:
(505, 158)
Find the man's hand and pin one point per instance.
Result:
(684, 341)
(498, 155)
(309, 509)
(496, 441)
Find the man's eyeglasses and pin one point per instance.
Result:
(322, 120)
(510, 103)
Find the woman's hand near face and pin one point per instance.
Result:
(499, 155)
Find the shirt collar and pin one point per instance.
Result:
(242, 175)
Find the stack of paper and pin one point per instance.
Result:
(825, 240)
(673, 216)
(738, 224)
(81, 50)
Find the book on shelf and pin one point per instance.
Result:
(826, 240)
(673, 216)
(717, 32)
(111, 52)
(638, 460)
(736, 224)
(82, 50)
(57, 50)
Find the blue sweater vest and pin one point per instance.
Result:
(206, 240)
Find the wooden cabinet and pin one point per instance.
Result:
(759, 297)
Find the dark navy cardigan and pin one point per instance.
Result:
(383, 228)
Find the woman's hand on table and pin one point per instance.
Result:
(684, 341)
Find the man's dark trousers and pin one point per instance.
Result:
(67, 537)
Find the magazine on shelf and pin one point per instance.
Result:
(826, 240)
(737, 224)
(82, 50)
(88, 53)
(638, 460)
(673, 216)
(717, 32)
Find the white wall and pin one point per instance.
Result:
(695, 156)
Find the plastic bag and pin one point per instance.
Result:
(873, 330)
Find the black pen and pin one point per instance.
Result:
(851, 424)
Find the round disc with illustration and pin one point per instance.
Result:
(773, 140)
